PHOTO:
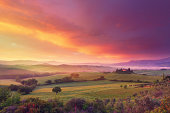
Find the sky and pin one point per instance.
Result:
(74, 31)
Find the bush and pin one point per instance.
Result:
(7, 98)
(5, 93)
(76, 104)
(13, 99)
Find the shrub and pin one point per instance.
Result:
(13, 99)
(76, 104)
(5, 93)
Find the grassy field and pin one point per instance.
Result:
(88, 90)
(89, 76)
(52, 68)
(41, 80)
(135, 77)
(6, 82)
(108, 76)
(153, 72)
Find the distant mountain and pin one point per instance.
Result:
(143, 63)
(48, 68)
(28, 62)
(20, 62)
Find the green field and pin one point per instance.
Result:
(88, 90)
(108, 76)
(153, 72)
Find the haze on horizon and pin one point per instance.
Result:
(74, 31)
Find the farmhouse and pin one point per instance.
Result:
(124, 71)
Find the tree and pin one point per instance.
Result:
(125, 86)
(121, 85)
(48, 82)
(56, 90)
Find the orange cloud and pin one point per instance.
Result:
(96, 32)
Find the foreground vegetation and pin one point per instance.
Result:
(155, 101)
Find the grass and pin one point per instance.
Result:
(88, 90)
(6, 82)
(94, 75)
(42, 80)
(153, 72)
(134, 77)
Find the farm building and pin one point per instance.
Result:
(124, 71)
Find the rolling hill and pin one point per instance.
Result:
(143, 63)
(11, 71)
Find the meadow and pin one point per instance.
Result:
(88, 90)
(93, 75)
(153, 72)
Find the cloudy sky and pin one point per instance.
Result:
(105, 31)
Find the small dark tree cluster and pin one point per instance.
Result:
(63, 80)
(29, 82)
(56, 90)
(26, 87)
(100, 78)
(125, 86)
(48, 82)
(21, 89)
